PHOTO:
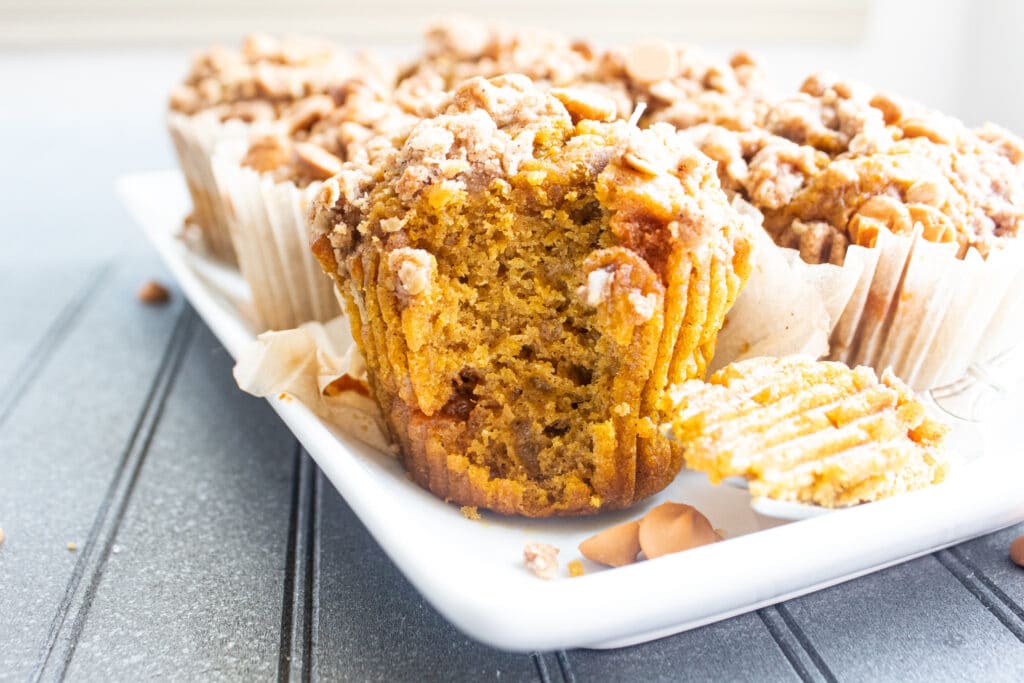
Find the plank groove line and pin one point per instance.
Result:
(1000, 605)
(293, 660)
(805, 642)
(311, 614)
(791, 648)
(73, 609)
(542, 667)
(565, 667)
(51, 340)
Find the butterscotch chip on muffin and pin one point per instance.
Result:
(809, 431)
(459, 48)
(680, 85)
(525, 287)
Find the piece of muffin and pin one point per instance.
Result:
(524, 287)
(231, 94)
(809, 431)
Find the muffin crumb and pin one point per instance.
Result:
(72, 546)
(470, 512)
(153, 293)
(576, 568)
(541, 559)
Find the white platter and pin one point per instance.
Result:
(472, 571)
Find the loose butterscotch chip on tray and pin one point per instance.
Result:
(809, 431)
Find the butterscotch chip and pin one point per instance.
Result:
(152, 292)
(615, 547)
(672, 528)
(541, 559)
(316, 161)
(809, 431)
(651, 61)
(1017, 551)
(575, 568)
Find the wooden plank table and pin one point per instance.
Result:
(207, 545)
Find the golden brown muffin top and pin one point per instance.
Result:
(459, 48)
(837, 161)
(509, 131)
(358, 123)
(266, 76)
(683, 86)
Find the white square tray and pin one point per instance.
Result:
(472, 571)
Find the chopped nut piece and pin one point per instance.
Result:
(615, 547)
(586, 104)
(674, 527)
(152, 292)
(575, 568)
(316, 161)
(414, 268)
(470, 512)
(541, 559)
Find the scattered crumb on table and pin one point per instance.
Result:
(152, 292)
(72, 546)
(575, 568)
(470, 512)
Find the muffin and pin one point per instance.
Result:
(524, 286)
(929, 209)
(809, 431)
(228, 95)
(269, 181)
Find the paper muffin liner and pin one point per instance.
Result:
(267, 221)
(319, 365)
(906, 304)
(195, 139)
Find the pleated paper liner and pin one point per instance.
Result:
(268, 227)
(195, 139)
(906, 303)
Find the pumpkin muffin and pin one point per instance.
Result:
(269, 181)
(524, 286)
(228, 94)
(809, 431)
(931, 210)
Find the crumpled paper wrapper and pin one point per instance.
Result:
(195, 138)
(787, 306)
(319, 365)
(270, 234)
(906, 304)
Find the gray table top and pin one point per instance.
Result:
(207, 544)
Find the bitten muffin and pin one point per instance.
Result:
(809, 431)
(524, 287)
(230, 94)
